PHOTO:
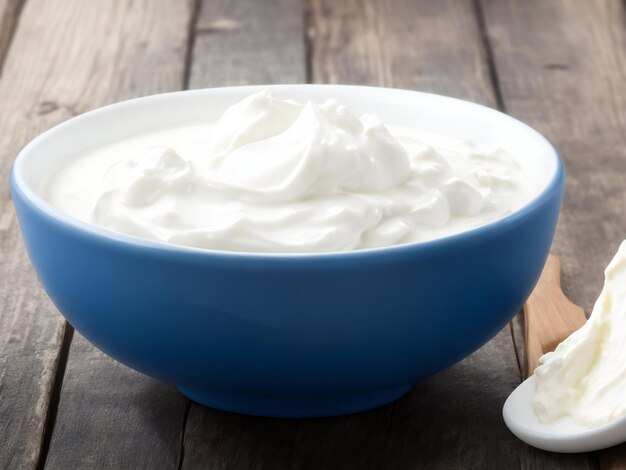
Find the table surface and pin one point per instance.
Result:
(559, 65)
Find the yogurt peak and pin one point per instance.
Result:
(270, 150)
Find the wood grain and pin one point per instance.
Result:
(613, 458)
(421, 45)
(549, 316)
(561, 66)
(9, 14)
(67, 57)
(452, 420)
(113, 417)
(249, 42)
(31, 334)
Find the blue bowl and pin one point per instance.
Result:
(293, 335)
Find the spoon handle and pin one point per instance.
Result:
(549, 318)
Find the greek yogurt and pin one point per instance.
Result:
(585, 377)
(281, 176)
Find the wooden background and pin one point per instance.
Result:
(559, 65)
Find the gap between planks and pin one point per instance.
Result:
(181, 450)
(55, 396)
(192, 33)
(489, 57)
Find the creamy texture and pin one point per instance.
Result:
(585, 377)
(280, 176)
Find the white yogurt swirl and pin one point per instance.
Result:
(272, 151)
(280, 176)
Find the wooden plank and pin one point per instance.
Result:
(9, 14)
(65, 58)
(249, 42)
(14, 451)
(31, 334)
(452, 420)
(113, 417)
(561, 66)
(427, 46)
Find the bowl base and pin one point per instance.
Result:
(285, 407)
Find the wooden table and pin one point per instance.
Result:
(558, 65)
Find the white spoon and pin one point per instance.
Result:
(562, 436)
(549, 318)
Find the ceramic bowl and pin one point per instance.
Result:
(293, 335)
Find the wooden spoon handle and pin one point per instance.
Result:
(549, 316)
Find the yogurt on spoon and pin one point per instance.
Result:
(576, 399)
(585, 377)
